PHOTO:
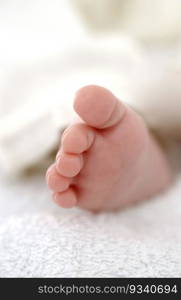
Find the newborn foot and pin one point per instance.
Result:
(109, 160)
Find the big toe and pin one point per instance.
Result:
(98, 107)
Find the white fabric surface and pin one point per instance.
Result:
(39, 239)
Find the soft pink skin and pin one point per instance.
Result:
(108, 161)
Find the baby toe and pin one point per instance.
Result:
(55, 181)
(66, 199)
(69, 165)
(77, 139)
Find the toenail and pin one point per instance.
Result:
(59, 154)
(58, 159)
(90, 138)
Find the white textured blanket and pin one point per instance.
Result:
(39, 239)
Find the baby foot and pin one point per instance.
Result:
(109, 160)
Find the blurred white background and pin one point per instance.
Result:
(49, 49)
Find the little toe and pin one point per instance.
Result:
(55, 181)
(66, 199)
(78, 138)
(69, 165)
